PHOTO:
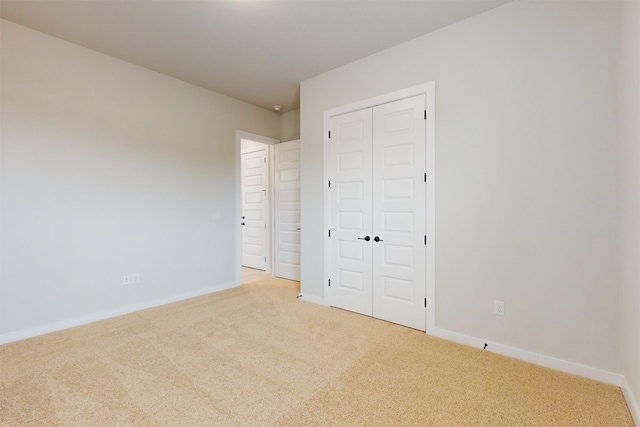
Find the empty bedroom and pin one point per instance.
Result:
(444, 230)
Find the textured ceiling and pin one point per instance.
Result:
(255, 51)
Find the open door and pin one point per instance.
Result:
(287, 210)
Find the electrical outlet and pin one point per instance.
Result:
(135, 278)
(126, 279)
(498, 308)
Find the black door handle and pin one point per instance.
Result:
(377, 239)
(367, 238)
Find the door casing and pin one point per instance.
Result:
(429, 90)
(240, 135)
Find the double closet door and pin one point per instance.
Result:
(377, 197)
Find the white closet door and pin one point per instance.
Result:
(255, 206)
(287, 210)
(350, 151)
(399, 212)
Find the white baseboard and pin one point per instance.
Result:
(561, 365)
(313, 299)
(531, 357)
(632, 403)
(106, 314)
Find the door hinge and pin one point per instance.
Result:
(425, 177)
(329, 282)
(329, 134)
(265, 159)
(425, 239)
(425, 303)
(329, 183)
(425, 114)
(265, 259)
(329, 233)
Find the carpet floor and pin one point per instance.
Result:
(257, 356)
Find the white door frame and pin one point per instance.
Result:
(240, 135)
(429, 90)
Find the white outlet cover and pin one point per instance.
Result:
(498, 308)
(135, 278)
(126, 279)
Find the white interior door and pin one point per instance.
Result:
(255, 208)
(377, 213)
(351, 245)
(287, 210)
(399, 225)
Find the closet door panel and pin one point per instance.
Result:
(399, 212)
(351, 151)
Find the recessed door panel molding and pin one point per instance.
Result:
(290, 237)
(398, 290)
(397, 222)
(289, 217)
(253, 163)
(352, 131)
(287, 210)
(350, 251)
(350, 281)
(255, 197)
(398, 122)
(349, 221)
(351, 190)
(289, 196)
(289, 175)
(290, 258)
(289, 153)
(398, 256)
(253, 180)
(400, 155)
(397, 189)
(350, 161)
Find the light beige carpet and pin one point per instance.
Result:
(257, 356)
(252, 274)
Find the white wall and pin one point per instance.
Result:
(107, 169)
(526, 167)
(290, 125)
(629, 128)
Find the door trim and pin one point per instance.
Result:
(240, 135)
(429, 90)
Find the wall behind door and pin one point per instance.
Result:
(290, 125)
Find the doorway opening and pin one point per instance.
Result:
(268, 207)
(255, 192)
